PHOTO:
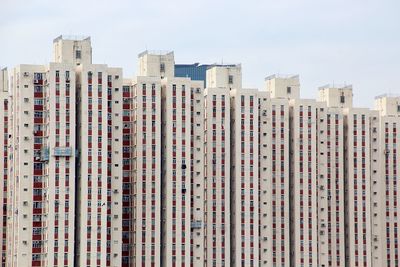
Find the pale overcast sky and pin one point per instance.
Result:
(354, 41)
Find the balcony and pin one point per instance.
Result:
(42, 154)
(62, 152)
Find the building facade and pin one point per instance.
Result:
(274, 239)
(331, 191)
(4, 133)
(182, 166)
(217, 198)
(384, 178)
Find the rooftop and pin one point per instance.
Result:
(72, 38)
(224, 65)
(282, 76)
(387, 95)
(336, 86)
(156, 53)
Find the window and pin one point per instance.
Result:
(342, 99)
(162, 67)
(78, 54)
(230, 79)
(289, 90)
(398, 108)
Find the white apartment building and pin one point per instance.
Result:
(146, 166)
(176, 159)
(217, 163)
(4, 133)
(127, 174)
(42, 196)
(176, 171)
(330, 169)
(330, 153)
(385, 123)
(198, 207)
(357, 186)
(99, 150)
(244, 178)
(303, 182)
(114, 166)
(159, 171)
(100, 170)
(274, 181)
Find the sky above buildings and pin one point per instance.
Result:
(330, 41)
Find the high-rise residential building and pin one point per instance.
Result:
(127, 174)
(330, 153)
(61, 110)
(302, 177)
(303, 182)
(244, 177)
(274, 174)
(198, 214)
(99, 150)
(181, 166)
(217, 163)
(42, 193)
(176, 149)
(145, 183)
(385, 156)
(4, 133)
(357, 186)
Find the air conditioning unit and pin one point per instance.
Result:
(36, 81)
